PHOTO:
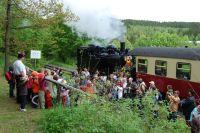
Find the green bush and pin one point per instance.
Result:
(104, 116)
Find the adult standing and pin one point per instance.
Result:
(195, 120)
(174, 104)
(187, 105)
(195, 113)
(21, 79)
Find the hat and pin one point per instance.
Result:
(152, 82)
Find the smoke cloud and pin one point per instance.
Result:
(96, 20)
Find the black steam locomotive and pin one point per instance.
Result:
(104, 59)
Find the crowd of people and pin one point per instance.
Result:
(32, 87)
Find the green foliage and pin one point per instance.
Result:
(160, 24)
(2, 14)
(64, 42)
(1, 60)
(162, 39)
(194, 32)
(39, 25)
(146, 33)
(141, 36)
(129, 45)
(103, 116)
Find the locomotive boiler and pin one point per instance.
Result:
(105, 59)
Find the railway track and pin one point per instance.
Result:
(53, 67)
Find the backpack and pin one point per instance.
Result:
(8, 76)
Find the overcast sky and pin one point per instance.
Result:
(158, 10)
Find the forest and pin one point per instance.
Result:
(167, 34)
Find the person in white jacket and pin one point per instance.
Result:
(119, 90)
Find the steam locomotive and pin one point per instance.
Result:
(104, 59)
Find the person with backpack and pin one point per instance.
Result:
(11, 81)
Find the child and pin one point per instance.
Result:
(120, 90)
(42, 88)
(48, 99)
(49, 90)
(89, 87)
(29, 86)
(35, 87)
(65, 97)
(11, 81)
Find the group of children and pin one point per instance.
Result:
(41, 93)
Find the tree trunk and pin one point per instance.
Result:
(7, 34)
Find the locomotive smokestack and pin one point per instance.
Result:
(122, 46)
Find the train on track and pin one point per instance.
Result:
(179, 67)
(105, 59)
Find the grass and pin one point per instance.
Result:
(11, 119)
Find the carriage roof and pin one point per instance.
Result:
(167, 52)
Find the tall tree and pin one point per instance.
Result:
(64, 43)
(33, 15)
(7, 34)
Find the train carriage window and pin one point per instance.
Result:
(142, 65)
(183, 70)
(161, 68)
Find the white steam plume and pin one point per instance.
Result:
(95, 19)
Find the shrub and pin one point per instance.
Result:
(102, 116)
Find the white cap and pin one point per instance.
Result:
(152, 82)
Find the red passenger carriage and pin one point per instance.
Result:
(179, 67)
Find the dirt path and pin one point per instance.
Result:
(11, 119)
